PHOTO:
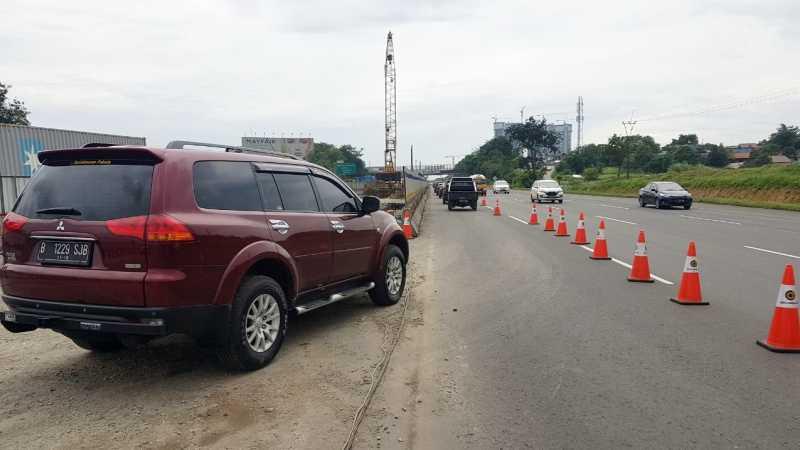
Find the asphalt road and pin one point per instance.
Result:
(519, 340)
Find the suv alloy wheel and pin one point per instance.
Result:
(257, 325)
(391, 279)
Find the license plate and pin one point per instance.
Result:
(68, 253)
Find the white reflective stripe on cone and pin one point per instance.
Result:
(691, 265)
(787, 297)
(641, 249)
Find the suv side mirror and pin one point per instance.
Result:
(370, 204)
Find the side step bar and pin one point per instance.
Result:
(316, 304)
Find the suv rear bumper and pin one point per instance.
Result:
(29, 314)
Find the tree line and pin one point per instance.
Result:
(642, 154)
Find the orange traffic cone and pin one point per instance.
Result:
(483, 201)
(497, 208)
(784, 332)
(534, 217)
(580, 232)
(408, 232)
(562, 225)
(641, 266)
(549, 225)
(600, 246)
(689, 292)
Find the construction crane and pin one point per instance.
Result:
(390, 79)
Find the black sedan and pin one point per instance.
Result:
(665, 194)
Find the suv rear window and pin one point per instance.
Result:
(98, 192)
(462, 185)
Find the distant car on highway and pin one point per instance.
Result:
(665, 194)
(546, 190)
(501, 186)
(462, 192)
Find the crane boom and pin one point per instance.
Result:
(390, 78)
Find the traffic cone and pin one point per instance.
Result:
(549, 225)
(483, 201)
(784, 332)
(580, 232)
(497, 208)
(408, 232)
(641, 266)
(600, 246)
(562, 225)
(534, 217)
(689, 292)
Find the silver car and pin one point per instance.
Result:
(501, 186)
(546, 191)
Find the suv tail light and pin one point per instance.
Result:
(13, 222)
(155, 228)
(163, 228)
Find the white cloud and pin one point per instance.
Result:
(215, 70)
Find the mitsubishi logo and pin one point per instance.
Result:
(60, 226)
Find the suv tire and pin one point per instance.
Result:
(449, 206)
(641, 202)
(474, 205)
(382, 294)
(99, 343)
(255, 301)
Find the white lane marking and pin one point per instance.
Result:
(518, 220)
(711, 220)
(612, 206)
(628, 266)
(617, 220)
(771, 251)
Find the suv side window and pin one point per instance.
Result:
(269, 192)
(333, 197)
(296, 192)
(228, 185)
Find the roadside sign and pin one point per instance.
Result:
(346, 169)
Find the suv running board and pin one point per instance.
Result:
(319, 303)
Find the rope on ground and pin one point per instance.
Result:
(377, 372)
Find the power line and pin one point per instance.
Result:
(726, 106)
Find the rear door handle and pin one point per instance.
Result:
(337, 226)
(279, 225)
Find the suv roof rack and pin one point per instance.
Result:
(99, 144)
(229, 148)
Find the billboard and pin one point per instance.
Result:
(299, 147)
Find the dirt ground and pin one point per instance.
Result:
(173, 394)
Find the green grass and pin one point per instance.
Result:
(776, 187)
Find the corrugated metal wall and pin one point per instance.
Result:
(20, 144)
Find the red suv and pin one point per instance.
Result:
(115, 245)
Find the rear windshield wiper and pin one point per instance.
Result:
(60, 210)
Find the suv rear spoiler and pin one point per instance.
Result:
(229, 148)
(100, 151)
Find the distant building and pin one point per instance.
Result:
(780, 159)
(563, 130)
(299, 147)
(741, 152)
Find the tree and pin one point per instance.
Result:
(495, 158)
(786, 140)
(717, 157)
(685, 139)
(12, 111)
(533, 136)
(328, 156)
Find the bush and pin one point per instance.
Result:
(591, 173)
(680, 167)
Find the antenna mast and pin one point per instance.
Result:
(390, 79)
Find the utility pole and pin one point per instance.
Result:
(579, 120)
(521, 114)
(629, 124)
(412, 157)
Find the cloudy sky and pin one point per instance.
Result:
(215, 70)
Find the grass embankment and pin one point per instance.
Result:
(776, 187)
